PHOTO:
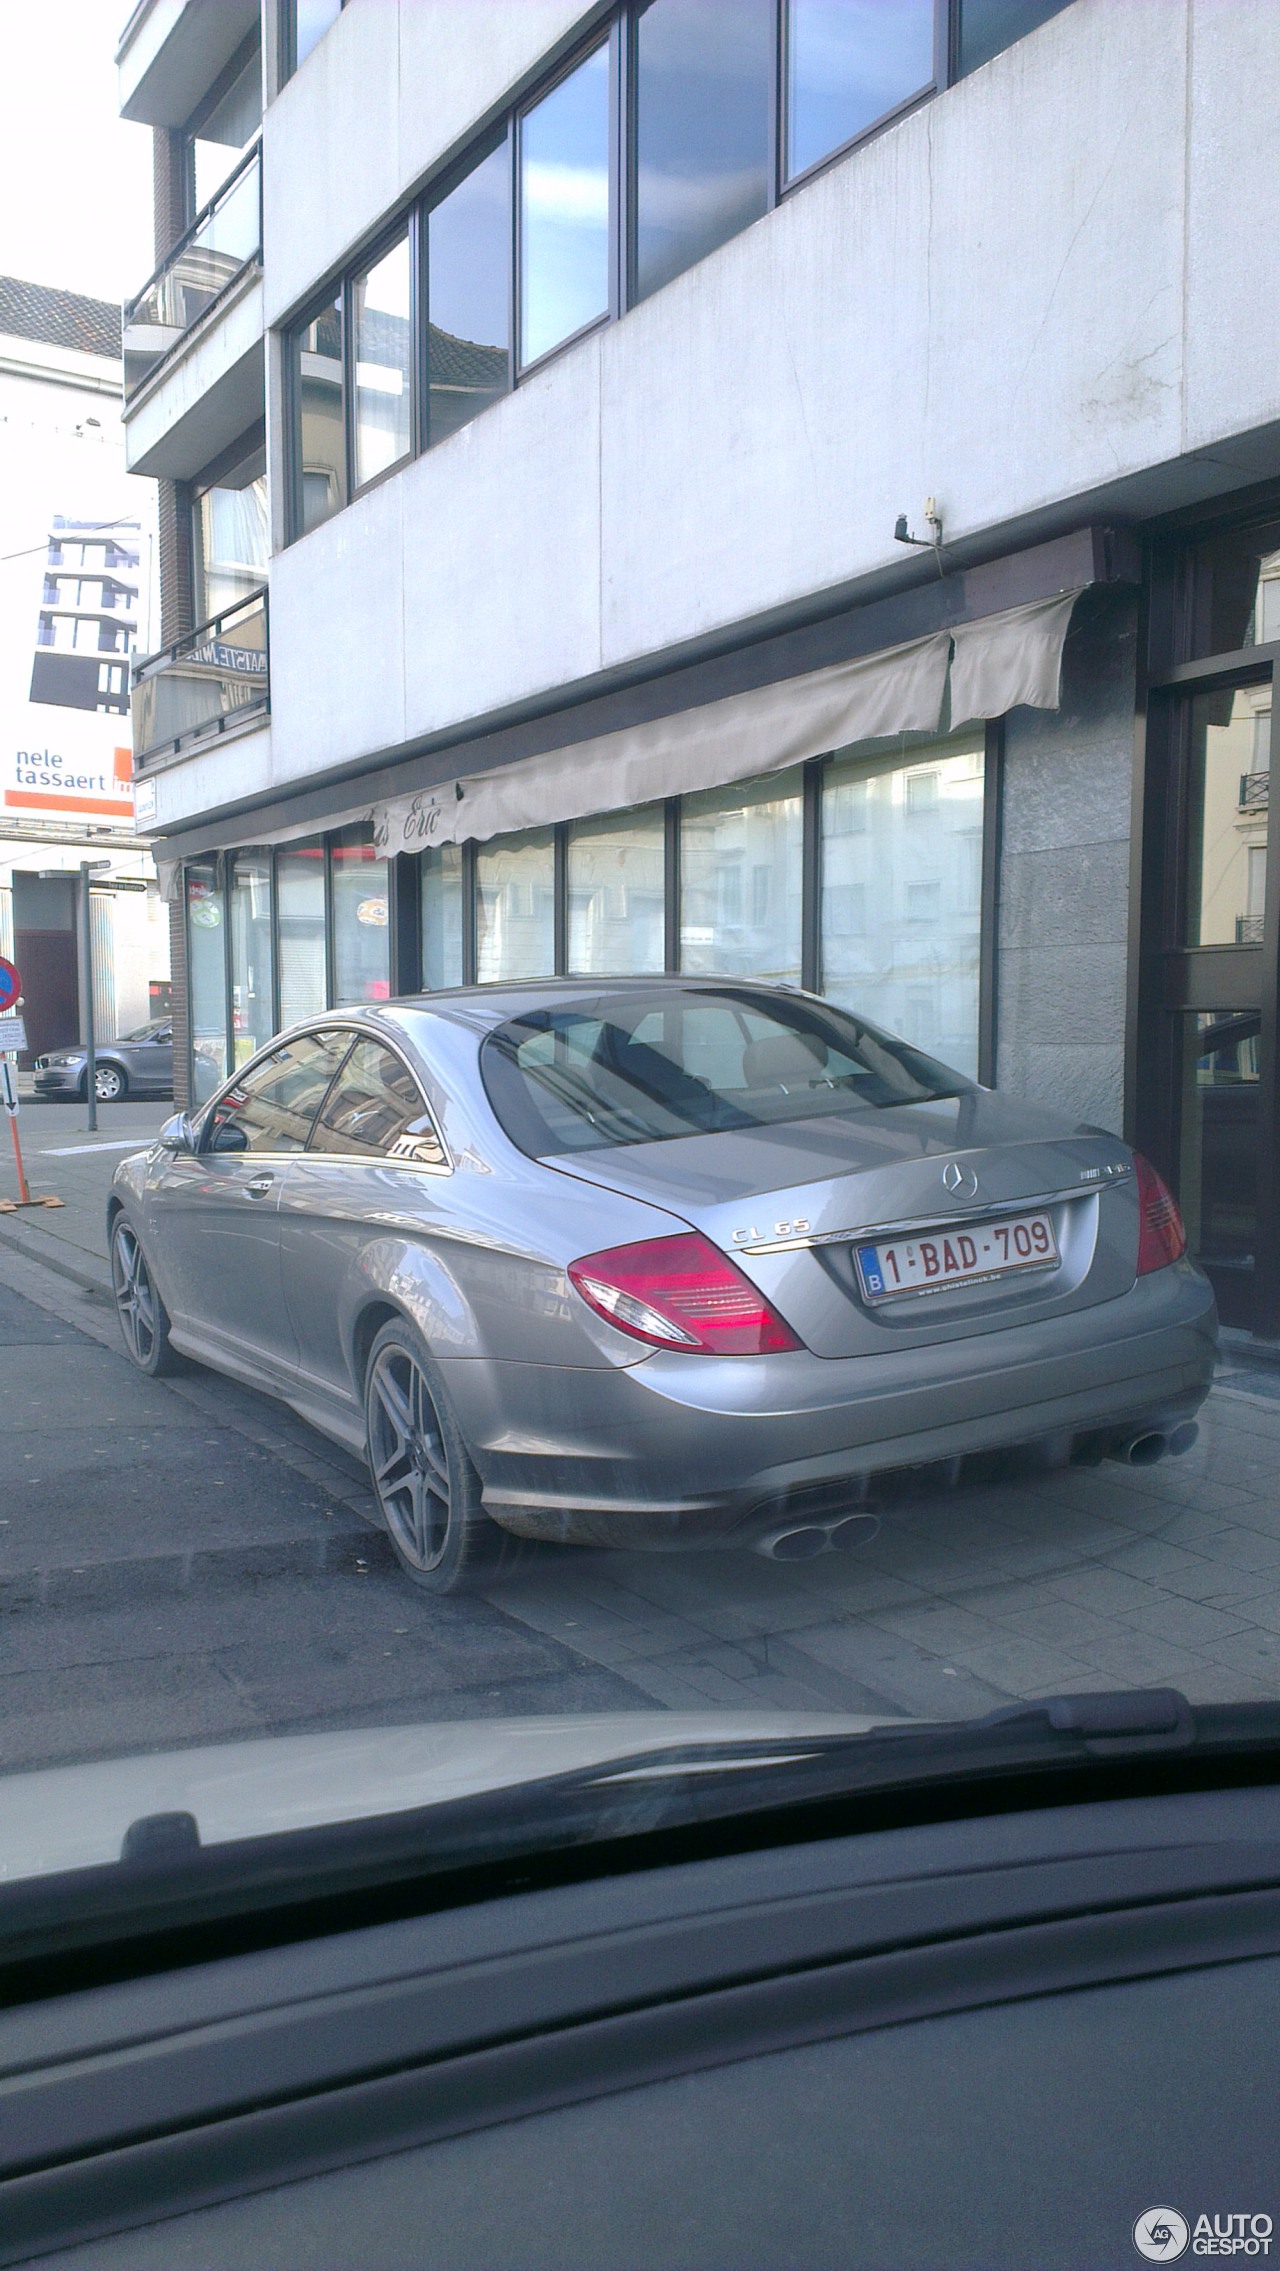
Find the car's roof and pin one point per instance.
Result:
(493, 1004)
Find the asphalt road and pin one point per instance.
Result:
(183, 1561)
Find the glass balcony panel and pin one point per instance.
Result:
(221, 242)
(201, 684)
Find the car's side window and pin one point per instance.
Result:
(378, 1111)
(273, 1107)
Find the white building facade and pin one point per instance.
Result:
(575, 380)
(77, 569)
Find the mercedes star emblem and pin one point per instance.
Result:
(960, 1182)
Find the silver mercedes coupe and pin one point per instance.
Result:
(655, 1262)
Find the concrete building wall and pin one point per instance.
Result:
(1017, 298)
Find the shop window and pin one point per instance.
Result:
(300, 931)
(515, 906)
(722, 831)
(1228, 778)
(849, 63)
(703, 105)
(440, 888)
(565, 209)
(361, 936)
(469, 296)
(1229, 592)
(988, 26)
(318, 388)
(206, 979)
(252, 1019)
(616, 896)
(382, 322)
(915, 856)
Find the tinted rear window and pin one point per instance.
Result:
(638, 1068)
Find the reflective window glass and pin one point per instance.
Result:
(987, 26)
(252, 1024)
(704, 71)
(381, 318)
(902, 894)
(206, 980)
(232, 537)
(222, 138)
(616, 897)
(515, 906)
(848, 63)
(740, 879)
(273, 1107)
(322, 463)
(300, 931)
(1232, 592)
(311, 20)
(377, 1111)
(469, 296)
(1221, 1124)
(441, 900)
(361, 937)
(564, 209)
(1228, 793)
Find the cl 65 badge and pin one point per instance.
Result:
(797, 1229)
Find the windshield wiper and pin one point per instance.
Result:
(170, 1899)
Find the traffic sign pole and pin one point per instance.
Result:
(9, 1098)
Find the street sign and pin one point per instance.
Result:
(10, 984)
(13, 1034)
(8, 1088)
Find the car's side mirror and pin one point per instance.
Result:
(228, 1136)
(177, 1134)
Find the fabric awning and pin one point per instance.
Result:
(1000, 660)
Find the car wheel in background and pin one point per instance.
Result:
(109, 1084)
(426, 1483)
(144, 1320)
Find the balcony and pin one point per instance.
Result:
(222, 242)
(204, 685)
(1255, 791)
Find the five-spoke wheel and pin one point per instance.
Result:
(144, 1320)
(426, 1481)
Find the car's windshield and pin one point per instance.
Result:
(624, 1068)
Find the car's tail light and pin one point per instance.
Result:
(681, 1293)
(1161, 1237)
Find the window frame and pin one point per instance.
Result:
(292, 392)
(500, 136)
(287, 39)
(408, 227)
(607, 38)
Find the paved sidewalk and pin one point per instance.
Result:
(62, 1157)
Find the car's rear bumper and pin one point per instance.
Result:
(677, 1450)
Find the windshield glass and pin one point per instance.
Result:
(625, 1069)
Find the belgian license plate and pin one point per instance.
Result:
(941, 1258)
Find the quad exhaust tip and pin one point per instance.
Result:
(804, 1541)
(1152, 1444)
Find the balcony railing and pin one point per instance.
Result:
(219, 245)
(202, 684)
(1255, 792)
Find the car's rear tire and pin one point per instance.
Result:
(110, 1084)
(143, 1318)
(424, 1477)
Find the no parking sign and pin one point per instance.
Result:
(10, 985)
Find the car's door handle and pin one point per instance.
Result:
(259, 1187)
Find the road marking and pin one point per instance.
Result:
(119, 1143)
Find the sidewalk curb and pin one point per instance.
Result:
(95, 1281)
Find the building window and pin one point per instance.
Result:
(565, 208)
(249, 907)
(988, 26)
(469, 295)
(515, 906)
(382, 326)
(703, 110)
(317, 380)
(724, 833)
(440, 887)
(206, 979)
(617, 902)
(303, 24)
(218, 141)
(900, 920)
(300, 932)
(361, 936)
(848, 66)
(231, 533)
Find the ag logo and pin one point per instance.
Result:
(1161, 2234)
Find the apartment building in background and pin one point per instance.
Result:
(77, 566)
(761, 486)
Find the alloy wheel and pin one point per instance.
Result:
(410, 1463)
(135, 1295)
(107, 1084)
